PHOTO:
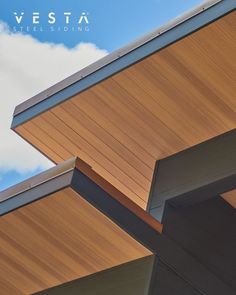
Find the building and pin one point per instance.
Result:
(142, 198)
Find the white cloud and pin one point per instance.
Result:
(27, 67)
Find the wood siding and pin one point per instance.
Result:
(58, 239)
(171, 100)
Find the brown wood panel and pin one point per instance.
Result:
(37, 143)
(108, 139)
(94, 145)
(48, 140)
(170, 101)
(75, 150)
(58, 239)
(230, 197)
(97, 111)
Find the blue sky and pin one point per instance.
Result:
(112, 24)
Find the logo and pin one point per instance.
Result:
(67, 21)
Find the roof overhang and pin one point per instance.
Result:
(67, 223)
(175, 30)
(165, 93)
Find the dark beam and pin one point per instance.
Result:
(206, 230)
(195, 174)
(126, 215)
(166, 281)
(172, 254)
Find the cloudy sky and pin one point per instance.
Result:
(31, 61)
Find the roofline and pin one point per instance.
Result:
(43, 177)
(34, 181)
(80, 177)
(117, 61)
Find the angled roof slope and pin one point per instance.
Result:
(65, 224)
(84, 223)
(159, 96)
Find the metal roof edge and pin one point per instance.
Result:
(38, 179)
(173, 31)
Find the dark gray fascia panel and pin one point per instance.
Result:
(206, 230)
(132, 278)
(37, 187)
(195, 174)
(121, 59)
(167, 281)
(35, 193)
